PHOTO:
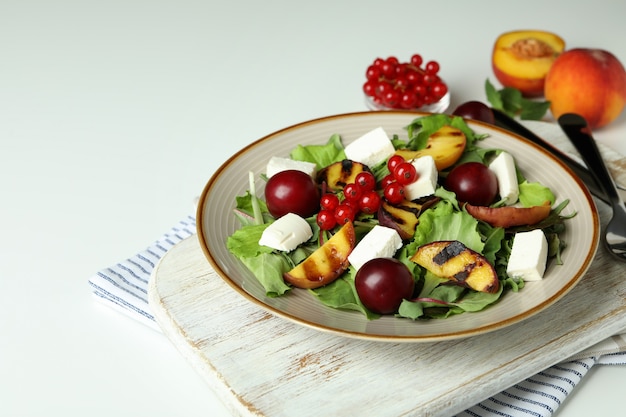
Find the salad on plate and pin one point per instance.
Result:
(423, 226)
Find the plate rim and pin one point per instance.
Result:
(435, 337)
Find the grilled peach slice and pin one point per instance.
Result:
(404, 217)
(446, 146)
(452, 260)
(327, 262)
(338, 174)
(509, 216)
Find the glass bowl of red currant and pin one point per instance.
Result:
(414, 85)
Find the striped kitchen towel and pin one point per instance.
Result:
(124, 286)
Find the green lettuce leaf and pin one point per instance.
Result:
(321, 155)
(243, 243)
(534, 194)
(342, 294)
(444, 223)
(269, 268)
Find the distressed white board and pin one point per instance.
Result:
(262, 365)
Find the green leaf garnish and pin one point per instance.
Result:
(510, 101)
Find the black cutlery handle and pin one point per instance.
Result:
(575, 126)
(506, 122)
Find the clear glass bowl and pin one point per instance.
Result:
(438, 107)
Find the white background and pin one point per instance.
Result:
(114, 114)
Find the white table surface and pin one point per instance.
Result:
(114, 114)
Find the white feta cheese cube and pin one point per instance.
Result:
(380, 242)
(504, 169)
(529, 255)
(426, 183)
(286, 233)
(370, 149)
(277, 164)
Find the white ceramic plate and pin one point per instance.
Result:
(216, 222)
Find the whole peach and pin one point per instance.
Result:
(589, 82)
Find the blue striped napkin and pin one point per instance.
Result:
(124, 286)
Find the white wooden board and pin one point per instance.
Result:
(262, 365)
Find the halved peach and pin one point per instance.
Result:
(521, 59)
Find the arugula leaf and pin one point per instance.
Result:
(446, 300)
(511, 101)
(493, 237)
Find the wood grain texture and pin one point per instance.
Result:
(262, 365)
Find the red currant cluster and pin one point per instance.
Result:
(402, 173)
(404, 85)
(358, 197)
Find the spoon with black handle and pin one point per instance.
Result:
(576, 129)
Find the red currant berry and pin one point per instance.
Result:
(382, 88)
(391, 98)
(393, 60)
(388, 179)
(420, 90)
(417, 60)
(344, 213)
(329, 201)
(352, 192)
(400, 69)
(372, 73)
(405, 173)
(394, 161)
(439, 90)
(326, 219)
(430, 79)
(394, 193)
(432, 67)
(388, 69)
(370, 202)
(369, 88)
(402, 83)
(365, 180)
(414, 77)
(408, 100)
(378, 62)
(352, 203)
